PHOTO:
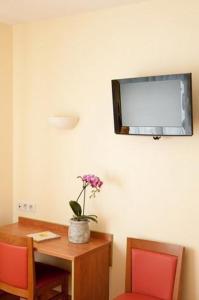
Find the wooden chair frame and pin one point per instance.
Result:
(164, 248)
(22, 242)
(31, 292)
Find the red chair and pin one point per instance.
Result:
(153, 271)
(21, 276)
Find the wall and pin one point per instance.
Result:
(65, 66)
(5, 124)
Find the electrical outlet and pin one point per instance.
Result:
(20, 206)
(31, 207)
(26, 207)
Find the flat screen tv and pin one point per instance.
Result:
(154, 105)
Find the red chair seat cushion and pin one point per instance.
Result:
(135, 296)
(14, 265)
(153, 273)
(46, 274)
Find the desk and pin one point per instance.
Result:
(89, 262)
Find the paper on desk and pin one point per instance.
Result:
(43, 235)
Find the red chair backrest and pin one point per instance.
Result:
(153, 273)
(14, 265)
(154, 268)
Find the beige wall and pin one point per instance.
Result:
(5, 123)
(65, 66)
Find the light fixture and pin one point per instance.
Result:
(63, 122)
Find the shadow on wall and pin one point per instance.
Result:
(118, 272)
(113, 179)
(102, 223)
(195, 98)
(189, 275)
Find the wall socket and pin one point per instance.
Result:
(26, 207)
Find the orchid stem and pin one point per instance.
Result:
(84, 189)
(79, 195)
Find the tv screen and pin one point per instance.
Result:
(154, 105)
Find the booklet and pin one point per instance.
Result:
(44, 235)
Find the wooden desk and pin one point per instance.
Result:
(90, 262)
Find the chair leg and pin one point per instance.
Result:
(64, 288)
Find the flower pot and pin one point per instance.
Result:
(78, 231)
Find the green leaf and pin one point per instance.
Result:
(76, 208)
(85, 218)
(92, 218)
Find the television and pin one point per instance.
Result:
(153, 105)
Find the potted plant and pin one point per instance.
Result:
(79, 224)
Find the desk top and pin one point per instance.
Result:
(60, 247)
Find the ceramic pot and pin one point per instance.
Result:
(78, 231)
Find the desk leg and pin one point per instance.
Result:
(91, 275)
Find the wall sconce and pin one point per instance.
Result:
(60, 122)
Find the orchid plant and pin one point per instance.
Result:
(79, 211)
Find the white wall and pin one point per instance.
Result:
(65, 66)
(5, 124)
